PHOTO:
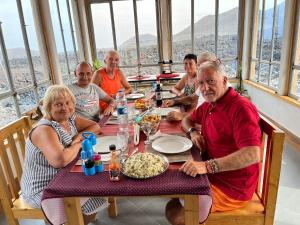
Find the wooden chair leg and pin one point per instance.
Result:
(8, 213)
(72, 205)
(112, 208)
(191, 209)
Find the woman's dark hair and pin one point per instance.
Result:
(191, 56)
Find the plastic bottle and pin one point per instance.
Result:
(122, 110)
(114, 165)
(87, 154)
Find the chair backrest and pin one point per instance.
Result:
(271, 155)
(12, 152)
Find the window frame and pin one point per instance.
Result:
(238, 58)
(14, 92)
(139, 65)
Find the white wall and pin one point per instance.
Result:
(282, 112)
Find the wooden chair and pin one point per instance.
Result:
(261, 209)
(12, 151)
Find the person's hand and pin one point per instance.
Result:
(198, 140)
(192, 168)
(175, 116)
(168, 103)
(77, 139)
(109, 109)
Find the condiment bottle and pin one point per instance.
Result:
(98, 163)
(114, 165)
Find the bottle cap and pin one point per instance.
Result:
(112, 147)
(86, 145)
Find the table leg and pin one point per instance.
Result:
(112, 208)
(191, 209)
(73, 210)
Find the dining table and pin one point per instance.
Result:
(63, 196)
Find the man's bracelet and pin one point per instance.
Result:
(212, 166)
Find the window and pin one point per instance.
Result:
(135, 37)
(200, 25)
(295, 81)
(267, 51)
(22, 71)
(64, 38)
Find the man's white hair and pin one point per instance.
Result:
(215, 65)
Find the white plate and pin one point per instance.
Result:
(172, 144)
(135, 96)
(167, 95)
(103, 143)
(164, 111)
(134, 112)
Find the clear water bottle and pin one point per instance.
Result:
(122, 110)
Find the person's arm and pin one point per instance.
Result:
(186, 100)
(179, 86)
(125, 83)
(46, 139)
(187, 123)
(176, 116)
(83, 125)
(242, 158)
(96, 79)
(111, 105)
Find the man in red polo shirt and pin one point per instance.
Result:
(230, 139)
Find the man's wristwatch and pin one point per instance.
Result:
(191, 130)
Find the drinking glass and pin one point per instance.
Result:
(147, 128)
(122, 141)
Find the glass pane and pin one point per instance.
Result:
(7, 111)
(150, 70)
(42, 89)
(267, 32)
(73, 24)
(39, 72)
(230, 68)
(297, 73)
(264, 73)
(259, 28)
(181, 29)
(147, 32)
(58, 37)
(278, 30)
(228, 28)
(14, 43)
(274, 78)
(204, 26)
(256, 70)
(129, 71)
(125, 32)
(3, 75)
(26, 101)
(102, 22)
(72, 59)
(178, 68)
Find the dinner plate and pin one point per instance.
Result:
(165, 167)
(135, 96)
(103, 143)
(164, 111)
(172, 144)
(133, 113)
(167, 95)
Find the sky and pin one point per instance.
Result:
(124, 21)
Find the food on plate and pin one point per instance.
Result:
(152, 118)
(141, 103)
(144, 165)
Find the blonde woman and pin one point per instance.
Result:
(53, 144)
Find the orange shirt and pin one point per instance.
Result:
(110, 86)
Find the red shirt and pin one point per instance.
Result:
(231, 124)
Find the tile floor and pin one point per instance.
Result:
(150, 211)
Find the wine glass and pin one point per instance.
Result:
(147, 128)
(148, 103)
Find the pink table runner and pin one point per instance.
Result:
(67, 184)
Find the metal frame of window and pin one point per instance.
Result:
(13, 92)
(296, 41)
(72, 30)
(260, 61)
(134, 5)
(237, 58)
